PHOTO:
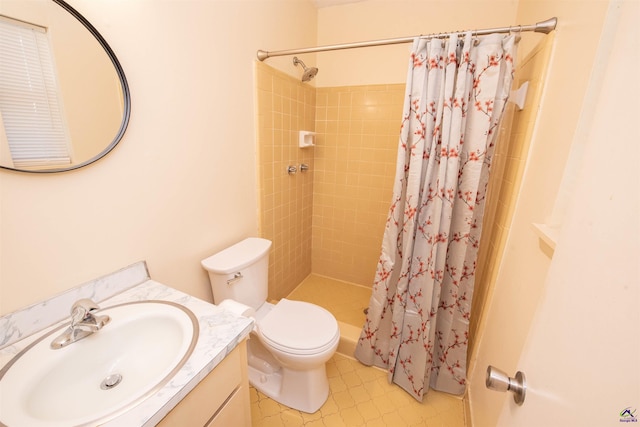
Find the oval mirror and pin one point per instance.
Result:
(72, 105)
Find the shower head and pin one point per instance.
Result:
(309, 73)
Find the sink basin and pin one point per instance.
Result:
(101, 376)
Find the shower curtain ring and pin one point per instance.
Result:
(517, 31)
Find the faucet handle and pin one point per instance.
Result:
(81, 309)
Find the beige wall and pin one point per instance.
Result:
(375, 20)
(285, 107)
(182, 183)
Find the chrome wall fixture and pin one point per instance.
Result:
(499, 381)
(309, 73)
(291, 170)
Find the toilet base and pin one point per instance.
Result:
(299, 382)
(305, 391)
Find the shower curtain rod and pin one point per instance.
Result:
(541, 27)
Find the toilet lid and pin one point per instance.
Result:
(299, 327)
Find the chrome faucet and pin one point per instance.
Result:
(83, 323)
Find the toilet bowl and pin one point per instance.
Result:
(300, 338)
(291, 341)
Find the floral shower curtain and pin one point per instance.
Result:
(418, 318)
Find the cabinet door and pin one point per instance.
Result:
(213, 392)
(234, 412)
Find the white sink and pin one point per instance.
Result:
(145, 344)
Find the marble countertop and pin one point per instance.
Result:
(220, 333)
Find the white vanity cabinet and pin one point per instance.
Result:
(219, 400)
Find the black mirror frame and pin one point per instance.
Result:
(126, 96)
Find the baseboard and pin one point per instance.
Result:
(466, 405)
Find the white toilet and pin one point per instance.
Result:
(294, 339)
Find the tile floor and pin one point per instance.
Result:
(359, 395)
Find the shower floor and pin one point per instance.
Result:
(346, 301)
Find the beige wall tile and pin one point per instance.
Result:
(287, 107)
(358, 135)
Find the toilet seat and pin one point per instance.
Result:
(298, 327)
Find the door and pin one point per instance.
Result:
(582, 357)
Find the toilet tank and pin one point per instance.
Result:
(240, 272)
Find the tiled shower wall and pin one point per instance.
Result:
(358, 130)
(285, 106)
(507, 169)
(330, 219)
